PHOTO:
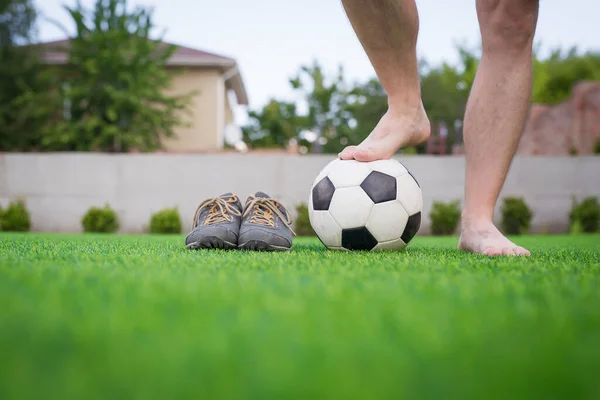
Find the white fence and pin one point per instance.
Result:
(59, 188)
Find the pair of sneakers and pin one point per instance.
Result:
(262, 223)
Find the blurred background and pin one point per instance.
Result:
(86, 86)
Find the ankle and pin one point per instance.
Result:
(414, 120)
(406, 106)
(470, 219)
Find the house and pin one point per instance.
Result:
(216, 80)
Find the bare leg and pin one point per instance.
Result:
(495, 116)
(387, 30)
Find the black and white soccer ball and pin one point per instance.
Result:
(365, 205)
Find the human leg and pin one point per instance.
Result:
(495, 116)
(387, 30)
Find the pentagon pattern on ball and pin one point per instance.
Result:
(387, 221)
(322, 194)
(351, 207)
(358, 239)
(412, 227)
(329, 231)
(372, 206)
(379, 187)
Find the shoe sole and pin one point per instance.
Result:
(211, 242)
(259, 245)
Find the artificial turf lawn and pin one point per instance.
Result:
(140, 317)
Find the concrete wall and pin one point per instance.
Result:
(59, 188)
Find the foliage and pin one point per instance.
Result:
(444, 217)
(15, 218)
(273, 126)
(345, 114)
(24, 105)
(367, 103)
(324, 128)
(166, 221)
(444, 92)
(17, 22)
(555, 76)
(410, 151)
(585, 216)
(576, 228)
(516, 216)
(597, 146)
(100, 220)
(572, 151)
(326, 99)
(115, 83)
(302, 225)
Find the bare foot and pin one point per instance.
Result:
(394, 131)
(484, 238)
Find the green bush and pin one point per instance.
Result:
(597, 147)
(165, 221)
(444, 217)
(409, 150)
(302, 225)
(100, 220)
(15, 218)
(516, 216)
(585, 216)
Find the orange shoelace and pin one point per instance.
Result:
(263, 211)
(219, 210)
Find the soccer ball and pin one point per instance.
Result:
(365, 205)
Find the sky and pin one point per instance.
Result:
(271, 39)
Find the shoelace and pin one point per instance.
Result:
(263, 209)
(219, 209)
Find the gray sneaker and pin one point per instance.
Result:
(266, 225)
(216, 224)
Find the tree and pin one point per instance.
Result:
(555, 76)
(274, 125)
(326, 98)
(114, 84)
(345, 114)
(445, 90)
(324, 128)
(21, 116)
(17, 22)
(367, 103)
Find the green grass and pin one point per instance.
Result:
(95, 316)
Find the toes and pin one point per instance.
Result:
(492, 251)
(347, 153)
(521, 251)
(508, 251)
(365, 155)
(361, 154)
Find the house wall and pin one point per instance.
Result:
(229, 116)
(59, 188)
(202, 134)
